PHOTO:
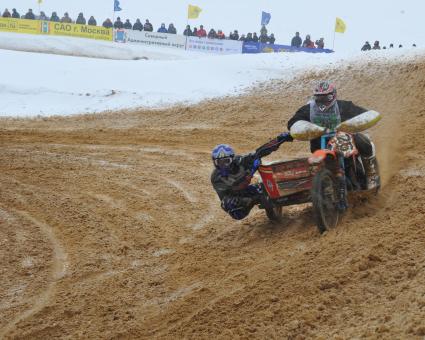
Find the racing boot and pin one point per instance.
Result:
(373, 180)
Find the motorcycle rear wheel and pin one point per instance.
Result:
(325, 197)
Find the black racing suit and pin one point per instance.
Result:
(347, 110)
(237, 196)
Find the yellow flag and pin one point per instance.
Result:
(340, 25)
(39, 1)
(193, 11)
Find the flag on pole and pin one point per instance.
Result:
(117, 7)
(265, 18)
(39, 1)
(193, 12)
(340, 25)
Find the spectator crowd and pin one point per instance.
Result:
(147, 26)
(377, 46)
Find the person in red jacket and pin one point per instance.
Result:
(308, 43)
(201, 33)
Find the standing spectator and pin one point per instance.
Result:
(242, 38)
(221, 35)
(367, 47)
(195, 32)
(162, 29)
(391, 45)
(263, 31)
(6, 14)
(172, 29)
(55, 17)
(376, 46)
(307, 42)
(30, 15)
(43, 16)
(296, 41)
(201, 33)
(138, 26)
(188, 32)
(272, 39)
(118, 24)
(128, 25)
(107, 23)
(264, 38)
(92, 21)
(212, 34)
(15, 14)
(235, 35)
(148, 26)
(255, 37)
(414, 45)
(66, 19)
(80, 19)
(249, 38)
(320, 43)
(400, 46)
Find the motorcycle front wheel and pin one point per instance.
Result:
(325, 197)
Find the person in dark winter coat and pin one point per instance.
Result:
(195, 32)
(367, 47)
(138, 26)
(80, 19)
(242, 38)
(66, 19)
(148, 26)
(107, 23)
(188, 32)
(15, 14)
(248, 37)
(376, 46)
(118, 24)
(201, 33)
(296, 41)
(212, 34)
(308, 43)
(264, 39)
(320, 43)
(234, 35)
(92, 21)
(162, 29)
(231, 178)
(30, 15)
(43, 16)
(272, 39)
(171, 29)
(6, 14)
(55, 17)
(255, 37)
(128, 25)
(326, 111)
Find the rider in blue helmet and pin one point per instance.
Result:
(232, 176)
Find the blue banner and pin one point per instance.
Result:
(117, 7)
(252, 47)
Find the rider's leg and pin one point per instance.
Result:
(238, 207)
(367, 152)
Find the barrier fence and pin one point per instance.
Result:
(213, 46)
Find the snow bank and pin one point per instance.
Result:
(41, 84)
(86, 47)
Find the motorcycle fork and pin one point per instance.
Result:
(342, 182)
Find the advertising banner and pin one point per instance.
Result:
(20, 25)
(74, 30)
(252, 47)
(214, 45)
(156, 39)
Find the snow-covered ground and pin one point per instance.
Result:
(44, 84)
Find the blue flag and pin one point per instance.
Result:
(265, 18)
(117, 7)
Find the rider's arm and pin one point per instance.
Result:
(219, 186)
(349, 110)
(302, 114)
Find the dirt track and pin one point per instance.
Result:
(109, 227)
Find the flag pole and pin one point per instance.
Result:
(333, 44)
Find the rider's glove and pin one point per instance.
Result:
(285, 137)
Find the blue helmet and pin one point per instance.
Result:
(222, 156)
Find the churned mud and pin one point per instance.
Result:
(109, 227)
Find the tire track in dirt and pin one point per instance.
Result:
(58, 271)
